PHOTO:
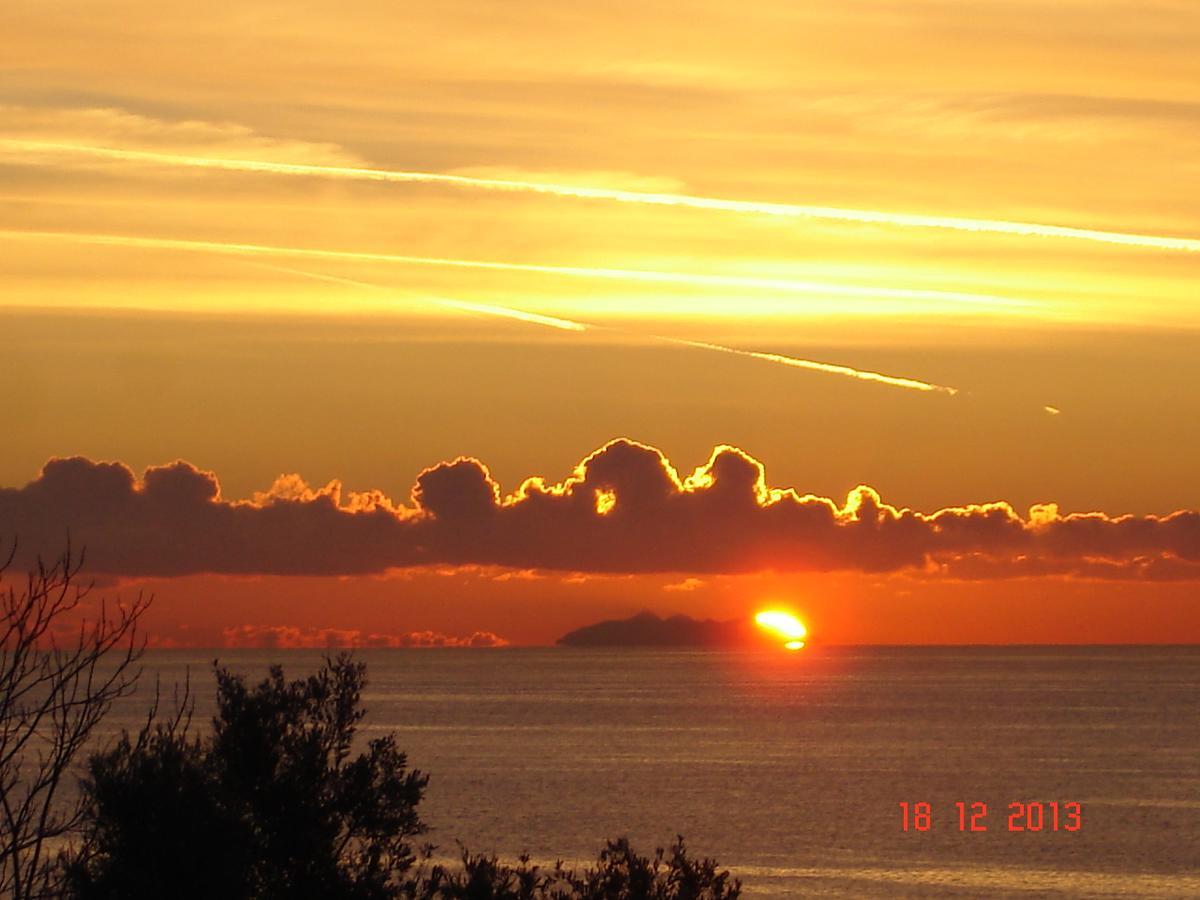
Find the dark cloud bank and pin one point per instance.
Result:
(721, 519)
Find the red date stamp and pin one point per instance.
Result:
(1021, 815)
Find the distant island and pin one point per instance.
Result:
(649, 630)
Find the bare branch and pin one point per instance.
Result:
(55, 687)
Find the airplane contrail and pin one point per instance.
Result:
(831, 368)
(487, 309)
(571, 325)
(642, 275)
(789, 210)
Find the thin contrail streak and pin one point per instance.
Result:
(789, 210)
(831, 368)
(487, 309)
(569, 324)
(640, 275)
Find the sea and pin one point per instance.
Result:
(828, 772)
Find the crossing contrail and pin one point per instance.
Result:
(754, 207)
(690, 279)
(571, 325)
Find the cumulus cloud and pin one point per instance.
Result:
(624, 509)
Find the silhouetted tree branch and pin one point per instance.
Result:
(58, 678)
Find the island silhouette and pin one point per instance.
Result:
(646, 629)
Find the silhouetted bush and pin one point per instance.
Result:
(158, 820)
(271, 806)
(619, 874)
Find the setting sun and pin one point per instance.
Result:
(785, 625)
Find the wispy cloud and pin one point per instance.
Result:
(294, 637)
(486, 309)
(753, 207)
(691, 279)
(570, 325)
(480, 308)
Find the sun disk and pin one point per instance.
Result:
(783, 624)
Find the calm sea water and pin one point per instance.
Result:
(790, 768)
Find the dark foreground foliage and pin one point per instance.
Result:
(619, 874)
(273, 806)
(62, 666)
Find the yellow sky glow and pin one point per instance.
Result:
(777, 285)
(752, 207)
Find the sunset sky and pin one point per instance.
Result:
(267, 270)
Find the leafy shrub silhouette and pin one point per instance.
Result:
(271, 805)
(157, 820)
(619, 874)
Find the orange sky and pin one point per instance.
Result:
(935, 248)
